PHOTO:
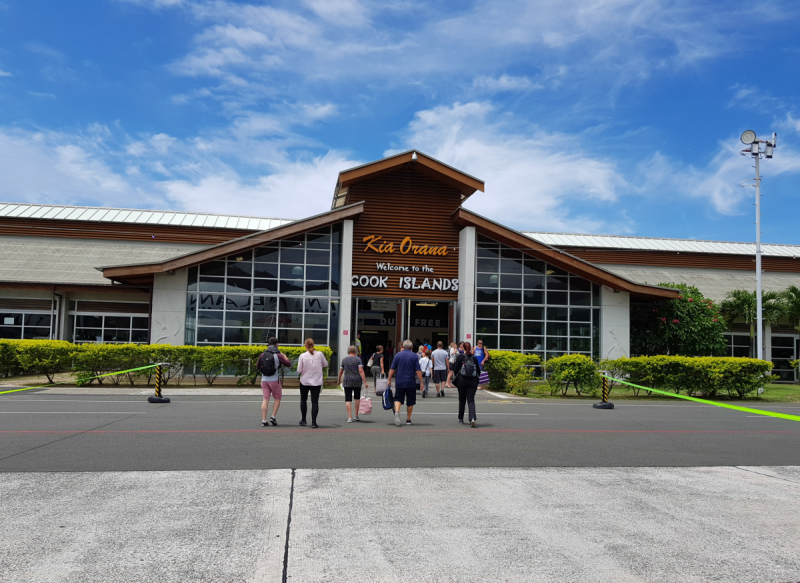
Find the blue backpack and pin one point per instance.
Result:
(388, 399)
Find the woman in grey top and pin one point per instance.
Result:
(378, 365)
(353, 372)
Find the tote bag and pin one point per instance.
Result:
(365, 408)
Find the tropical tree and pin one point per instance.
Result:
(741, 304)
(791, 301)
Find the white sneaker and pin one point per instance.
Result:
(397, 421)
(349, 420)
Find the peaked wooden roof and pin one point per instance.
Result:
(415, 159)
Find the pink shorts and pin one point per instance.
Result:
(273, 388)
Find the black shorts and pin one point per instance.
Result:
(439, 376)
(350, 392)
(409, 396)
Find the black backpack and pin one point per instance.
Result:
(267, 366)
(470, 368)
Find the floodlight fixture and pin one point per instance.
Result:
(748, 137)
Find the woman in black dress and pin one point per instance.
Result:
(466, 371)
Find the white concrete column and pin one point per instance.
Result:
(169, 308)
(346, 289)
(615, 323)
(467, 257)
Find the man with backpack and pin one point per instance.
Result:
(466, 371)
(269, 365)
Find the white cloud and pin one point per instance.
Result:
(505, 83)
(4, 73)
(535, 179)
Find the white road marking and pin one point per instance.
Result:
(484, 414)
(501, 396)
(71, 413)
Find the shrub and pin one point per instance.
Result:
(46, 357)
(9, 363)
(93, 360)
(577, 369)
(795, 364)
(503, 367)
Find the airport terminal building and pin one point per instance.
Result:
(370, 266)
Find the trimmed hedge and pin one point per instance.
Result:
(90, 360)
(576, 369)
(510, 370)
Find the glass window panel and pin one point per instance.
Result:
(509, 253)
(291, 304)
(267, 254)
(240, 303)
(532, 343)
(488, 265)
(239, 285)
(580, 299)
(118, 322)
(556, 344)
(87, 334)
(741, 351)
(265, 286)
(265, 320)
(484, 241)
(580, 284)
(316, 306)
(193, 279)
(510, 343)
(318, 272)
(532, 297)
(557, 298)
(116, 335)
(293, 256)
(533, 328)
(534, 313)
(237, 335)
(292, 271)
(556, 329)
(264, 304)
(37, 320)
(489, 340)
(209, 318)
(316, 321)
(140, 323)
(209, 334)
(292, 286)
(293, 242)
(553, 270)
(290, 320)
(534, 282)
(262, 335)
(511, 280)
(580, 344)
(510, 312)
(316, 257)
(557, 314)
(557, 283)
(319, 239)
(511, 327)
(317, 288)
(534, 267)
(511, 265)
(211, 301)
(36, 333)
(511, 295)
(319, 336)
(265, 270)
(488, 253)
(486, 326)
(580, 329)
(486, 295)
(483, 311)
(288, 336)
(88, 321)
(741, 340)
(783, 341)
(237, 319)
(487, 279)
(580, 315)
(595, 294)
(213, 268)
(211, 284)
(241, 256)
(139, 336)
(780, 352)
(240, 269)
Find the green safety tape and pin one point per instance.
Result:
(725, 405)
(110, 374)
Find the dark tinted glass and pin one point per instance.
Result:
(88, 321)
(557, 313)
(511, 266)
(209, 334)
(317, 272)
(316, 306)
(534, 282)
(511, 295)
(482, 311)
(580, 329)
(234, 302)
(242, 256)
(294, 256)
(580, 315)
(292, 271)
(532, 328)
(487, 279)
(511, 280)
(557, 283)
(213, 268)
(265, 270)
(510, 343)
(139, 323)
(37, 320)
(510, 327)
(240, 269)
(316, 257)
(267, 254)
(556, 329)
(316, 321)
(265, 319)
(118, 321)
(139, 336)
(533, 297)
(210, 318)
(317, 288)
(486, 326)
(510, 312)
(211, 284)
(236, 336)
(533, 267)
(486, 295)
(294, 287)
(488, 265)
(580, 344)
(264, 304)
(580, 299)
(116, 335)
(534, 313)
(36, 333)
(237, 319)
(578, 284)
(291, 305)
(265, 286)
(557, 298)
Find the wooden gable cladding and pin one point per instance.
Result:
(405, 205)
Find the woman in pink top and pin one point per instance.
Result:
(310, 367)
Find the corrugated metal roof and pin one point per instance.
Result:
(656, 244)
(139, 216)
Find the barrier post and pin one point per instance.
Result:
(157, 398)
(604, 403)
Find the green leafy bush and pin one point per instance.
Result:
(576, 369)
(9, 363)
(46, 357)
(509, 369)
(795, 364)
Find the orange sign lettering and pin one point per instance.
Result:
(375, 244)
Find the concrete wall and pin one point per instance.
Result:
(465, 309)
(615, 323)
(168, 323)
(346, 290)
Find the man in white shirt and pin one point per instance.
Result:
(441, 364)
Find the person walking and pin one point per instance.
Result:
(378, 364)
(425, 366)
(482, 354)
(269, 364)
(406, 366)
(441, 366)
(467, 370)
(353, 372)
(451, 361)
(310, 367)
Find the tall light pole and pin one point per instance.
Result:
(754, 150)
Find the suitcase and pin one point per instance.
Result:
(380, 384)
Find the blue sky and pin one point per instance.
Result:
(604, 116)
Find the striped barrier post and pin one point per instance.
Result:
(604, 403)
(157, 398)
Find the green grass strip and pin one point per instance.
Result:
(727, 406)
(110, 374)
